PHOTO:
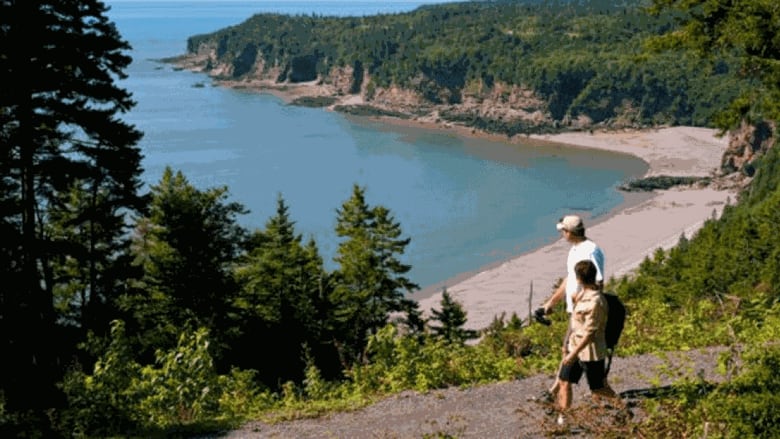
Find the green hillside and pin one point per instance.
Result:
(587, 61)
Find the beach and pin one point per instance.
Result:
(628, 234)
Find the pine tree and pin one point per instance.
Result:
(452, 319)
(186, 248)
(413, 319)
(281, 293)
(59, 131)
(370, 282)
(746, 28)
(93, 275)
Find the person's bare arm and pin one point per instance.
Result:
(571, 357)
(556, 297)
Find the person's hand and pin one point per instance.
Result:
(569, 359)
(539, 316)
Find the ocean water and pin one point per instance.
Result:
(464, 202)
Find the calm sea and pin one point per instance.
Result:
(465, 203)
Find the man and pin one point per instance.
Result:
(582, 249)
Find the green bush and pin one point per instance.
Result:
(103, 403)
(184, 391)
(425, 363)
(745, 407)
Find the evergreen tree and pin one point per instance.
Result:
(94, 273)
(281, 293)
(451, 318)
(186, 248)
(413, 319)
(748, 28)
(369, 283)
(60, 134)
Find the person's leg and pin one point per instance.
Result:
(568, 374)
(564, 395)
(599, 387)
(556, 384)
(606, 392)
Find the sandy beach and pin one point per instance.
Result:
(627, 235)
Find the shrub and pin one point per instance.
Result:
(184, 391)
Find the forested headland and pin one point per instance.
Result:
(126, 313)
(508, 67)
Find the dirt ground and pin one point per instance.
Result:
(500, 410)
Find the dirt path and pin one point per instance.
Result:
(496, 411)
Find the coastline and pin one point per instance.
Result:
(628, 234)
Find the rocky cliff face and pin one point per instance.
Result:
(746, 145)
(499, 103)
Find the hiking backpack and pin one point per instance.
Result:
(616, 318)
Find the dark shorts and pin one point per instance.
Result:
(594, 371)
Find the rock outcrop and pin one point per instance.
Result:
(747, 143)
(496, 107)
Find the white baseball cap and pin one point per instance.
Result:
(570, 223)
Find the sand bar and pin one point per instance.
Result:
(627, 235)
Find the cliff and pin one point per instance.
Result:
(498, 108)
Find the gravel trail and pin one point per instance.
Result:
(495, 411)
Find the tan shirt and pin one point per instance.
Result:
(589, 316)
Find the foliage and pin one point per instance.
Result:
(103, 403)
(370, 282)
(314, 101)
(367, 110)
(746, 28)
(69, 174)
(535, 348)
(743, 407)
(585, 59)
(122, 396)
(451, 319)
(283, 291)
(400, 363)
(396, 363)
(184, 388)
(186, 281)
(662, 182)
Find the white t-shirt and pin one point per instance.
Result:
(584, 250)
